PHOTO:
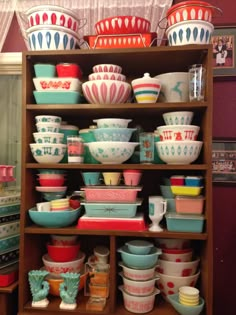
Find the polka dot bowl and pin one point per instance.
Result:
(170, 284)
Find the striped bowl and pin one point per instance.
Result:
(146, 89)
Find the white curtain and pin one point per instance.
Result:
(95, 10)
(7, 8)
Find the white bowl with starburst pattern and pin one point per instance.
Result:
(179, 152)
(111, 152)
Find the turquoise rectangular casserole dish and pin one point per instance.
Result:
(184, 223)
(57, 97)
(111, 210)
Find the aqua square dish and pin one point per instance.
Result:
(57, 97)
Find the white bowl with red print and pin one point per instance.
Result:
(104, 67)
(172, 243)
(106, 76)
(54, 15)
(170, 284)
(178, 132)
(106, 91)
(181, 255)
(178, 269)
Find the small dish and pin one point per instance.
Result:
(139, 247)
(186, 190)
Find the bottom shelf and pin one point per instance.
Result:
(161, 306)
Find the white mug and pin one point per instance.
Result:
(43, 206)
(157, 209)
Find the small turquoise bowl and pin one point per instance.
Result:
(54, 219)
(139, 247)
(184, 309)
(139, 261)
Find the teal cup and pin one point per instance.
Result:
(91, 178)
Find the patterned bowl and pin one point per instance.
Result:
(113, 134)
(178, 132)
(48, 137)
(48, 153)
(123, 25)
(107, 76)
(178, 118)
(54, 15)
(191, 10)
(103, 67)
(48, 119)
(54, 37)
(179, 269)
(189, 32)
(179, 152)
(106, 91)
(112, 152)
(48, 127)
(112, 122)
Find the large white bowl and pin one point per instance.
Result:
(179, 152)
(106, 91)
(111, 152)
(61, 267)
(189, 32)
(54, 15)
(178, 118)
(45, 37)
(174, 87)
(48, 153)
(171, 284)
(57, 84)
(178, 269)
(178, 132)
(113, 134)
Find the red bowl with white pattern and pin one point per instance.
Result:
(170, 284)
(54, 15)
(191, 10)
(127, 24)
(178, 269)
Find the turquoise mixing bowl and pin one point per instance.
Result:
(184, 309)
(55, 219)
(138, 261)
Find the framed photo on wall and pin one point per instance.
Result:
(224, 161)
(223, 40)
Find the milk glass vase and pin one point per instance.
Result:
(69, 290)
(39, 287)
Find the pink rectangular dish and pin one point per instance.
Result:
(112, 194)
(191, 205)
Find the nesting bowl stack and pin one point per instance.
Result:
(52, 27)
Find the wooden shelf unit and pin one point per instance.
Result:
(134, 62)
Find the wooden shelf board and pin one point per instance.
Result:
(34, 229)
(151, 167)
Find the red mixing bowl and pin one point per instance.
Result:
(63, 253)
(127, 24)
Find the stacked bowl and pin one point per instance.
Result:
(112, 145)
(176, 266)
(52, 27)
(139, 258)
(189, 22)
(48, 147)
(106, 85)
(178, 143)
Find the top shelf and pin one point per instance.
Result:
(134, 60)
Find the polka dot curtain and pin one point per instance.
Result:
(95, 10)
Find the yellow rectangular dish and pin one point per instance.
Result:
(186, 190)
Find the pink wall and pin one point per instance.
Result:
(224, 200)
